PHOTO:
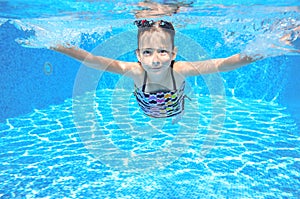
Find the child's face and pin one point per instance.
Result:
(155, 51)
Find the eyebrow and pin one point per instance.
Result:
(155, 49)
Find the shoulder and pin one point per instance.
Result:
(180, 68)
(134, 70)
(130, 69)
(178, 73)
(187, 69)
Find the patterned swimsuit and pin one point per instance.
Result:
(161, 104)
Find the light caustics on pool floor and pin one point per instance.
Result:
(257, 155)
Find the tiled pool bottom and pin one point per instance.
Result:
(256, 155)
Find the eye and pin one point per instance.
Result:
(147, 52)
(163, 52)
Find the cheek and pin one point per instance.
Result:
(145, 64)
(166, 60)
(146, 60)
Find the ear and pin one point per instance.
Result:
(138, 56)
(174, 53)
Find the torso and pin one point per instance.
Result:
(163, 99)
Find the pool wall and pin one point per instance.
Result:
(290, 96)
(36, 78)
(24, 83)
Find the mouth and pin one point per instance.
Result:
(156, 69)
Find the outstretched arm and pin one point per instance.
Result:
(237, 60)
(97, 62)
(213, 65)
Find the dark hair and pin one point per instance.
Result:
(151, 26)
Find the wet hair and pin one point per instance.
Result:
(152, 26)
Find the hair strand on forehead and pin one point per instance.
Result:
(158, 26)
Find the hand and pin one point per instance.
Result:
(292, 39)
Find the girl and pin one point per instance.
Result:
(159, 80)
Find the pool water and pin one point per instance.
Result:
(67, 131)
(256, 156)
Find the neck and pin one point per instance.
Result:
(161, 81)
(159, 78)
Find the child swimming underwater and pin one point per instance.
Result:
(159, 79)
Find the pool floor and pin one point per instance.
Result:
(44, 154)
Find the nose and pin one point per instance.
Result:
(155, 59)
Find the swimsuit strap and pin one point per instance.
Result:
(145, 81)
(172, 75)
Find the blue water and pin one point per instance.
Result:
(256, 156)
(67, 131)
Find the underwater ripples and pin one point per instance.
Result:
(255, 156)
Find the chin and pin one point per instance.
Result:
(158, 70)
